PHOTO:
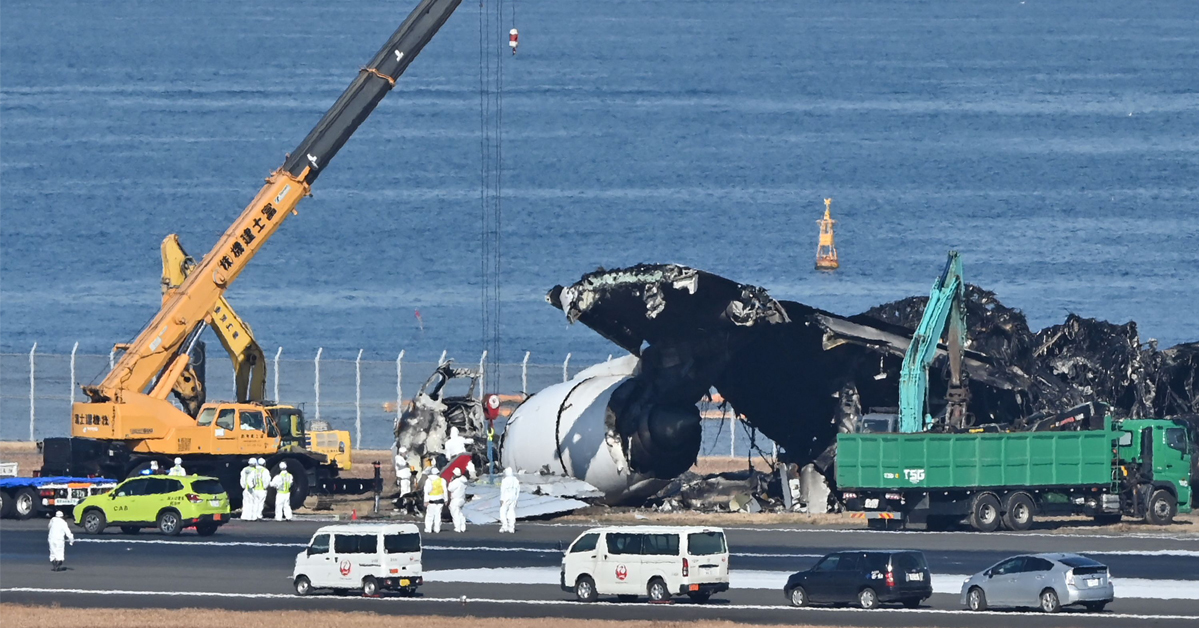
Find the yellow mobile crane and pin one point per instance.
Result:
(127, 420)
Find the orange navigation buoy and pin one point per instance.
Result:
(512, 40)
(827, 258)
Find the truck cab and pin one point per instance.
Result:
(1156, 454)
(228, 428)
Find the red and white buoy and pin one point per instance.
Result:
(512, 40)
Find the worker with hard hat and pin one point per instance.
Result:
(178, 468)
(246, 481)
(457, 488)
(510, 491)
(435, 497)
(282, 483)
(60, 533)
(261, 481)
(404, 472)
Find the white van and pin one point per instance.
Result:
(657, 561)
(368, 557)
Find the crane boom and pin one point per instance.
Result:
(153, 361)
(945, 311)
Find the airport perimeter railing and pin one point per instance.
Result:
(360, 395)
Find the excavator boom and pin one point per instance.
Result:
(945, 311)
(249, 362)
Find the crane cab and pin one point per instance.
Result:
(229, 428)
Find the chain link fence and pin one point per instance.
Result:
(361, 396)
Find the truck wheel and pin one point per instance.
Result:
(206, 528)
(1018, 512)
(585, 589)
(25, 503)
(94, 521)
(985, 512)
(303, 585)
(169, 523)
(370, 588)
(299, 484)
(1161, 509)
(6, 505)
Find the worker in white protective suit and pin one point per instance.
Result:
(510, 490)
(456, 446)
(60, 533)
(262, 481)
(246, 481)
(282, 483)
(435, 497)
(178, 468)
(457, 488)
(404, 472)
(152, 469)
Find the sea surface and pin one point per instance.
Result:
(1053, 143)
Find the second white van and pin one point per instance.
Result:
(368, 557)
(656, 561)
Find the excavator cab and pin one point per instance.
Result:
(333, 444)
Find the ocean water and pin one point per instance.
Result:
(1053, 143)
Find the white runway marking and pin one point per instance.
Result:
(473, 600)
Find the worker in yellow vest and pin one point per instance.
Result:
(282, 483)
(435, 497)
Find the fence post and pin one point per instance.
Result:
(609, 358)
(525, 375)
(112, 358)
(317, 380)
(565, 363)
(482, 376)
(733, 436)
(399, 389)
(443, 358)
(358, 400)
(775, 450)
(32, 418)
(73, 350)
(278, 352)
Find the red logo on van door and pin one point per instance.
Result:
(344, 567)
(622, 572)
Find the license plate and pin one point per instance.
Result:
(916, 577)
(871, 503)
(216, 503)
(1093, 582)
(404, 582)
(66, 501)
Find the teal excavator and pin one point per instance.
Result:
(946, 313)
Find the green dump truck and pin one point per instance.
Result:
(1132, 467)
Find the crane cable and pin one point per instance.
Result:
(491, 88)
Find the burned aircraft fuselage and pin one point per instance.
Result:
(424, 426)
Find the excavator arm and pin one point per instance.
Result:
(249, 362)
(130, 402)
(945, 311)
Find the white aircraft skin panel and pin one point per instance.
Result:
(531, 442)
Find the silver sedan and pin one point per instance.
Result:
(1045, 581)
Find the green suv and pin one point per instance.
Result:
(170, 503)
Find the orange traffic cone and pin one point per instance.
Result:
(354, 514)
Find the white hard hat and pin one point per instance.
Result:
(457, 472)
(508, 472)
(253, 462)
(58, 514)
(282, 465)
(262, 461)
(453, 432)
(153, 464)
(402, 450)
(179, 461)
(433, 470)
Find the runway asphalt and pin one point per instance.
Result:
(248, 566)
